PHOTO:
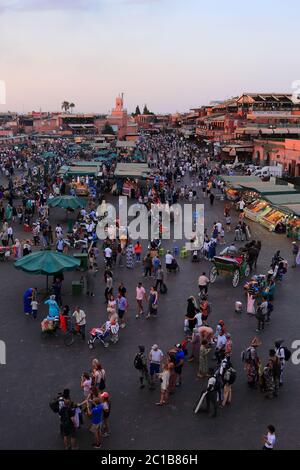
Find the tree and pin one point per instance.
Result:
(72, 106)
(146, 110)
(65, 106)
(107, 129)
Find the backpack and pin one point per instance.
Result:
(138, 362)
(246, 356)
(54, 405)
(230, 375)
(287, 353)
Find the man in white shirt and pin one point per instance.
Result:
(203, 282)
(241, 205)
(280, 353)
(220, 346)
(169, 260)
(155, 358)
(10, 234)
(80, 320)
(108, 255)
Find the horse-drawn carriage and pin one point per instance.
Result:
(237, 267)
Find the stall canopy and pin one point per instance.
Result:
(284, 199)
(292, 208)
(266, 188)
(126, 144)
(132, 170)
(80, 170)
(237, 181)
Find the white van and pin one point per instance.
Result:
(268, 171)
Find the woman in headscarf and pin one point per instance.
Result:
(53, 308)
(8, 212)
(191, 313)
(28, 297)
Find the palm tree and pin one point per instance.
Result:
(65, 106)
(72, 106)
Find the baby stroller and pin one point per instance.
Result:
(108, 332)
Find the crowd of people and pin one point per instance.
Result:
(181, 172)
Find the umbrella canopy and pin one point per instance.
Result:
(66, 202)
(47, 263)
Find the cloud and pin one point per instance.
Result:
(46, 5)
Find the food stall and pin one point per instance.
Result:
(232, 194)
(272, 219)
(130, 176)
(257, 209)
(293, 220)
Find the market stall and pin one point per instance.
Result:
(130, 177)
(257, 209)
(272, 219)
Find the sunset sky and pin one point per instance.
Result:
(170, 54)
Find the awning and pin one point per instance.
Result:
(266, 188)
(284, 199)
(292, 208)
(132, 170)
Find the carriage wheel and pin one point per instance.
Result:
(247, 271)
(213, 274)
(236, 278)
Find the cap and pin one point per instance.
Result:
(104, 395)
(178, 345)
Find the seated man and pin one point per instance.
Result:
(230, 251)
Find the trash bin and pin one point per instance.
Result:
(77, 288)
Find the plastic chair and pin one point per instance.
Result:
(183, 252)
(161, 252)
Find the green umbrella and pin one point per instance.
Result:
(67, 202)
(47, 263)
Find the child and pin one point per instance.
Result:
(34, 307)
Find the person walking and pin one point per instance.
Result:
(295, 252)
(147, 265)
(164, 377)
(96, 414)
(140, 296)
(122, 305)
(280, 353)
(203, 283)
(138, 251)
(140, 363)
(159, 277)
(269, 438)
(90, 280)
(80, 321)
(261, 315)
(155, 359)
(67, 424)
(203, 359)
(152, 303)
